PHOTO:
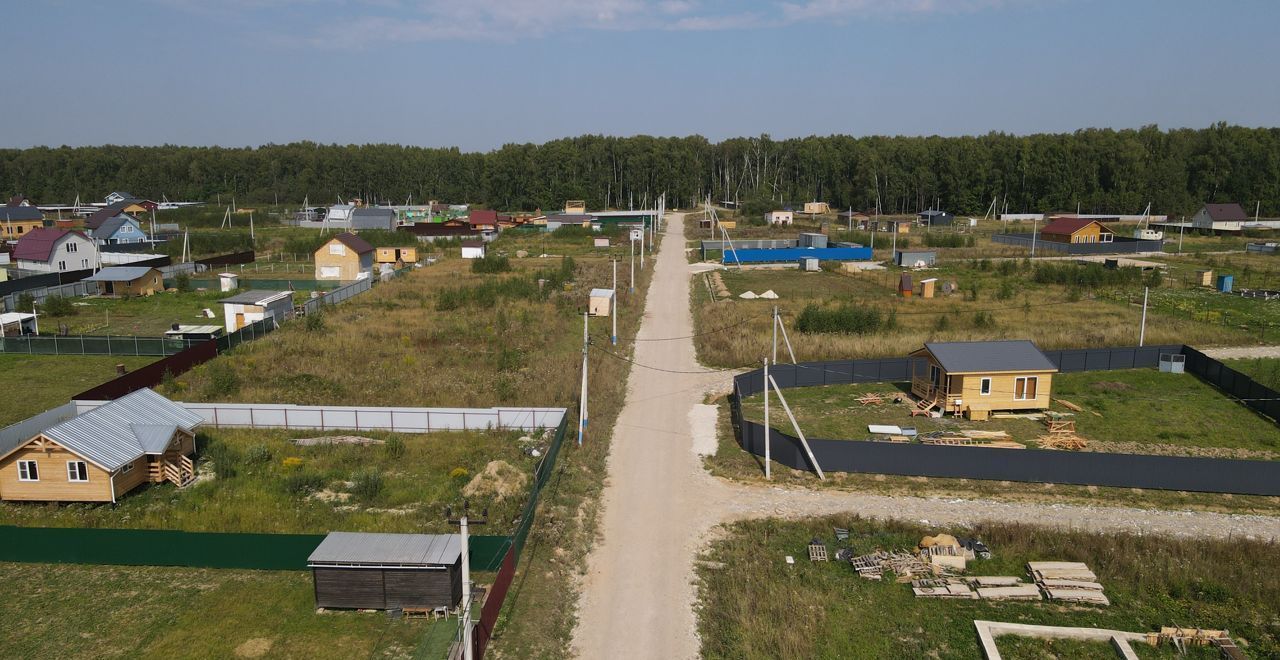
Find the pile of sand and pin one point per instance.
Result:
(498, 480)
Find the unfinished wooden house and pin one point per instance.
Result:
(100, 455)
(974, 378)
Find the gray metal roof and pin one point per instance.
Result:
(17, 213)
(153, 438)
(376, 218)
(107, 435)
(119, 274)
(254, 297)
(964, 357)
(378, 549)
(111, 225)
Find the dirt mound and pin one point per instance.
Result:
(498, 480)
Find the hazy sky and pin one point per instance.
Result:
(479, 73)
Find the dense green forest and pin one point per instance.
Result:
(1099, 170)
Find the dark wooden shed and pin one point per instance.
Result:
(386, 571)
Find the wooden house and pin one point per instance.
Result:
(815, 208)
(392, 255)
(379, 571)
(99, 455)
(16, 221)
(974, 378)
(123, 281)
(255, 305)
(1069, 229)
(345, 257)
(575, 207)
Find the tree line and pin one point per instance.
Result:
(1095, 170)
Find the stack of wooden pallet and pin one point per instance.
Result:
(1067, 581)
(953, 588)
(904, 565)
(1061, 435)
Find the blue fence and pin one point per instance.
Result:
(749, 256)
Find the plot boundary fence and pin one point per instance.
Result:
(124, 345)
(1214, 475)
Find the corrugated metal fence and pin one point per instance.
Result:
(1080, 468)
(94, 345)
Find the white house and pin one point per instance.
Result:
(601, 302)
(55, 251)
(779, 217)
(254, 305)
(1220, 217)
(473, 249)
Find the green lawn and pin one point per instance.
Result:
(144, 316)
(48, 381)
(72, 611)
(282, 488)
(752, 604)
(1140, 410)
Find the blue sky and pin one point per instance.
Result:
(480, 73)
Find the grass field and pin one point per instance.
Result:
(445, 336)
(1264, 370)
(994, 301)
(143, 316)
(48, 381)
(265, 483)
(1194, 418)
(71, 611)
(752, 604)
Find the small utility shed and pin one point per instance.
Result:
(386, 571)
(128, 281)
(601, 303)
(255, 305)
(915, 258)
(974, 378)
(345, 257)
(473, 249)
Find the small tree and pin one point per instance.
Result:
(182, 282)
(58, 306)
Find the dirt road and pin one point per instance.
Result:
(660, 505)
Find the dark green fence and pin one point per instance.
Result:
(94, 345)
(156, 547)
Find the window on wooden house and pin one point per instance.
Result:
(27, 471)
(77, 471)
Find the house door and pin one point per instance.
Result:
(240, 320)
(935, 375)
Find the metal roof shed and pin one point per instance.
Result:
(385, 571)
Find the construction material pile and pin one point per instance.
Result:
(1067, 581)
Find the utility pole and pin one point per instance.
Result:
(1034, 224)
(467, 652)
(1142, 331)
(767, 456)
(775, 334)
(1182, 226)
(613, 305)
(582, 406)
(632, 288)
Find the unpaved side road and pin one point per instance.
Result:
(1236, 352)
(661, 506)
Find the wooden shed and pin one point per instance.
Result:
(125, 281)
(387, 571)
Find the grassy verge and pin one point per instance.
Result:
(731, 462)
(1194, 418)
(1264, 370)
(41, 382)
(259, 481)
(69, 611)
(752, 604)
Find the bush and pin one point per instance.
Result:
(182, 282)
(459, 473)
(257, 455)
(223, 380)
(983, 320)
(302, 482)
(58, 306)
(845, 319)
(313, 321)
(226, 460)
(367, 484)
(25, 302)
(491, 264)
(394, 448)
(1091, 275)
(1005, 291)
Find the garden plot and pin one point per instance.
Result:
(41, 382)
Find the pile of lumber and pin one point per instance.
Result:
(904, 565)
(1068, 582)
(1181, 638)
(972, 588)
(946, 588)
(1061, 435)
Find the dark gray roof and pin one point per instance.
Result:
(1225, 212)
(254, 297)
(965, 357)
(375, 218)
(113, 224)
(119, 274)
(378, 549)
(17, 213)
(120, 431)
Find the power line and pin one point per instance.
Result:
(669, 371)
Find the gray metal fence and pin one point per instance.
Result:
(1081, 468)
(41, 293)
(15, 434)
(93, 345)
